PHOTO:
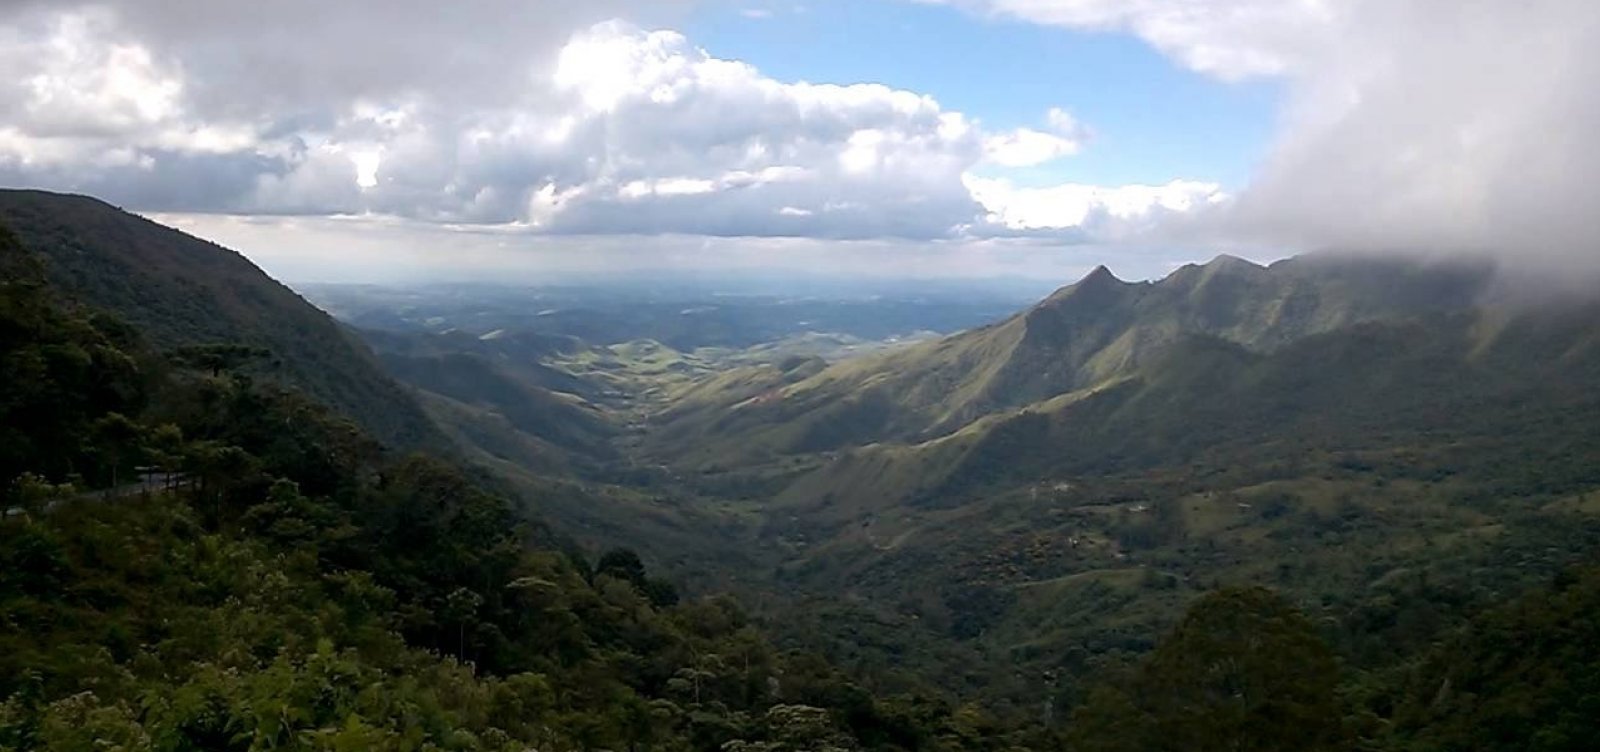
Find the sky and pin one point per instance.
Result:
(402, 140)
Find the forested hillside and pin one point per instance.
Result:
(1053, 489)
(180, 291)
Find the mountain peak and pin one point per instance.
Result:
(1225, 262)
(1224, 266)
(1098, 281)
(1100, 275)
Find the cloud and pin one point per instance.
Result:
(1464, 125)
(1231, 39)
(252, 60)
(1026, 147)
(122, 98)
(546, 121)
(1432, 125)
(83, 96)
(1106, 214)
(1063, 124)
(675, 138)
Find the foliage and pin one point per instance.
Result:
(189, 296)
(1243, 671)
(1524, 676)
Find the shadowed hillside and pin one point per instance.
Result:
(182, 291)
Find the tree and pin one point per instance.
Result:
(623, 564)
(118, 441)
(796, 728)
(221, 471)
(218, 357)
(1244, 671)
(1523, 676)
(461, 606)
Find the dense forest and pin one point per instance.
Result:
(196, 555)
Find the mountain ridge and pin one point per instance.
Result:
(1093, 331)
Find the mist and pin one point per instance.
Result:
(1439, 126)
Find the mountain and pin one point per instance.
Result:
(1085, 335)
(182, 291)
(1353, 431)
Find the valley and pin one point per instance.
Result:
(1045, 490)
(953, 523)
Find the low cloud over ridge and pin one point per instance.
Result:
(1423, 125)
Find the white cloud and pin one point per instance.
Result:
(1026, 147)
(611, 130)
(1229, 38)
(91, 86)
(367, 164)
(1062, 123)
(1423, 123)
(1105, 212)
(1442, 126)
(1435, 125)
(80, 94)
(379, 249)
